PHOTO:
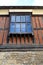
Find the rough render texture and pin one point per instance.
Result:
(21, 58)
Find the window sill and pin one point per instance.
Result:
(22, 33)
(21, 46)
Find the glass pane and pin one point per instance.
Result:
(23, 30)
(12, 27)
(23, 27)
(28, 19)
(17, 18)
(22, 18)
(12, 18)
(29, 28)
(17, 27)
(17, 30)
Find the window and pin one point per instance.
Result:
(29, 28)
(28, 19)
(12, 18)
(12, 27)
(17, 18)
(22, 18)
(23, 27)
(20, 23)
(17, 27)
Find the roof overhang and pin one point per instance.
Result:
(21, 7)
(35, 10)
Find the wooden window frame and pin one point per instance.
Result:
(21, 13)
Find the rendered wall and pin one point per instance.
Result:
(21, 58)
(34, 11)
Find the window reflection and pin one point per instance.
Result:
(17, 27)
(12, 27)
(23, 27)
(28, 19)
(17, 18)
(12, 18)
(20, 23)
(29, 27)
(22, 18)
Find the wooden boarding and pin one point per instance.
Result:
(33, 22)
(30, 40)
(5, 36)
(37, 22)
(10, 40)
(26, 40)
(22, 40)
(1, 36)
(2, 23)
(36, 39)
(40, 36)
(7, 22)
(14, 40)
(41, 22)
(18, 40)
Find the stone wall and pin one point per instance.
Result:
(21, 58)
